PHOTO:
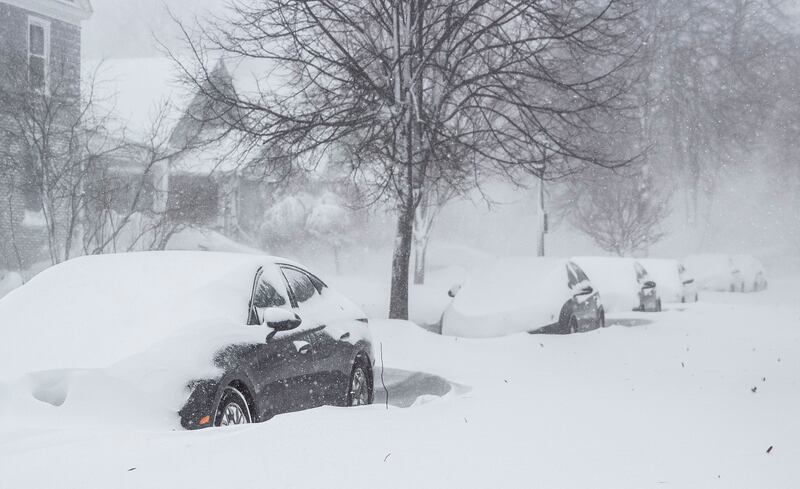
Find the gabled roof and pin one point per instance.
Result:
(71, 11)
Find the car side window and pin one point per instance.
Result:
(579, 273)
(641, 273)
(264, 295)
(572, 279)
(300, 284)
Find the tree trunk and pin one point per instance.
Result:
(336, 262)
(420, 254)
(401, 260)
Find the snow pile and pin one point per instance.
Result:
(93, 311)
(9, 281)
(692, 397)
(615, 279)
(199, 239)
(508, 296)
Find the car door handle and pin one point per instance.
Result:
(344, 336)
(302, 347)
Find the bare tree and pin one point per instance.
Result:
(47, 156)
(400, 82)
(621, 211)
(708, 72)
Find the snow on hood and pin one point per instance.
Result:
(92, 312)
(615, 279)
(666, 276)
(508, 296)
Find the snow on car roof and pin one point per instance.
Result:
(92, 311)
(507, 283)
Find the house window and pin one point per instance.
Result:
(38, 50)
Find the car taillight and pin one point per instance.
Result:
(204, 420)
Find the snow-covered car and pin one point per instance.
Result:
(672, 278)
(623, 282)
(752, 273)
(514, 295)
(688, 283)
(214, 338)
(715, 271)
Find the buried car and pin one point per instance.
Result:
(674, 282)
(716, 271)
(624, 283)
(752, 273)
(514, 295)
(214, 338)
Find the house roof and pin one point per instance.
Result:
(145, 97)
(71, 11)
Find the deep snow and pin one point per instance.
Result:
(691, 397)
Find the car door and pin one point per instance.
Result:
(283, 367)
(329, 333)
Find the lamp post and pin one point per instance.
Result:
(542, 219)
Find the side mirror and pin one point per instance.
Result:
(688, 281)
(649, 285)
(454, 290)
(279, 319)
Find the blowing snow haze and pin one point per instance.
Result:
(400, 243)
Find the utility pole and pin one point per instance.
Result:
(542, 218)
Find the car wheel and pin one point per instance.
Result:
(658, 305)
(601, 319)
(359, 392)
(232, 408)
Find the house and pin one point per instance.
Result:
(40, 53)
(209, 179)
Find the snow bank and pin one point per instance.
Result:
(9, 281)
(672, 398)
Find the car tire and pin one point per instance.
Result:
(359, 386)
(233, 408)
(658, 305)
(601, 318)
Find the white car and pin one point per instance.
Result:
(513, 295)
(673, 280)
(753, 276)
(715, 271)
(624, 283)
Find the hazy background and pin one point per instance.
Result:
(749, 214)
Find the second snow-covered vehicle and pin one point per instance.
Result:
(514, 295)
(624, 283)
(674, 282)
(218, 338)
